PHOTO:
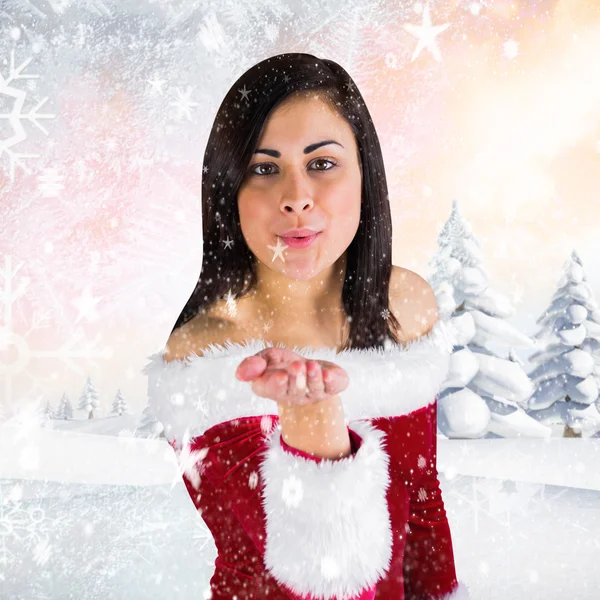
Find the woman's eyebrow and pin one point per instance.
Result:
(307, 150)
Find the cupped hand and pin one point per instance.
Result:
(290, 379)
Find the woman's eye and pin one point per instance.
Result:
(264, 166)
(269, 165)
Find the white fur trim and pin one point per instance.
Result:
(328, 525)
(459, 593)
(191, 395)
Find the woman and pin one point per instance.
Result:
(334, 494)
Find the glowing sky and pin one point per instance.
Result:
(512, 133)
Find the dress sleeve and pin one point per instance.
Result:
(321, 526)
(423, 560)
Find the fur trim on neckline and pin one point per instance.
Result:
(198, 392)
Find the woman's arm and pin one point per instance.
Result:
(306, 393)
(321, 527)
(317, 429)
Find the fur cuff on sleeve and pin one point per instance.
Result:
(327, 524)
(461, 592)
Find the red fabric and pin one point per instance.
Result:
(229, 501)
(422, 558)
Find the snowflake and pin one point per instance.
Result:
(66, 353)
(231, 304)
(426, 34)
(253, 480)
(498, 499)
(183, 104)
(24, 525)
(16, 115)
(392, 61)
(190, 462)
(144, 520)
(271, 32)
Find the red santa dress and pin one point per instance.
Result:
(291, 526)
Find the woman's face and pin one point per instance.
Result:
(290, 187)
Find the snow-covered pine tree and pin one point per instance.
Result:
(65, 410)
(48, 411)
(88, 401)
(484, 390)
(149, 427)
(567, 375)
(119, 404)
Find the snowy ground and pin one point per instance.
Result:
(84, 535)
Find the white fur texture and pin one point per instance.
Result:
(460, 593)
(328, 524)
(191, 395)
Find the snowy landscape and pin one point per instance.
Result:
(486, 109)
(487, 389)
(91, 516)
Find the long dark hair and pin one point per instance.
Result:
(234, 137)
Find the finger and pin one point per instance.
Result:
(255, 365)
(251, 367)
(278, 383)
(314, 377)
(272, 384)
(275, 355)
(329, 384)
(297, 379)
(335, 380)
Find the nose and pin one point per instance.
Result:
(297, 205)
(297, 195)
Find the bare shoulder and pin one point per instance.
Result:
(412, 302)
(197, 334)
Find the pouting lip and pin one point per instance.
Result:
(305, 232)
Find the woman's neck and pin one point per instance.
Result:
(280, 298)
(255, 315)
